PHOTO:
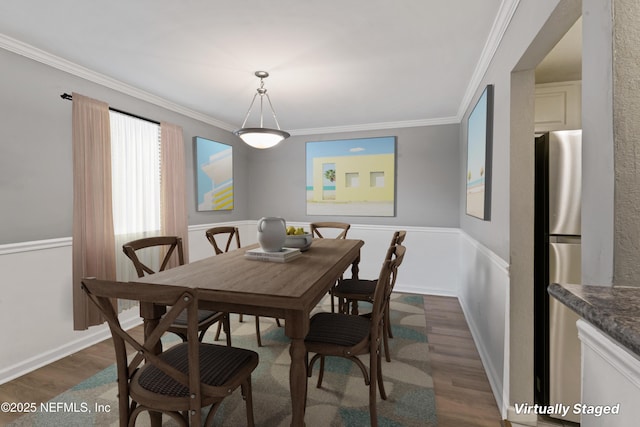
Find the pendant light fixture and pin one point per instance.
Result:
(261, 137)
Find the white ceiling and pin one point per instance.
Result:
(334, 64)
(564, 62)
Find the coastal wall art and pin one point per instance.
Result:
(479, 155)
(354, 177)
(214, 175)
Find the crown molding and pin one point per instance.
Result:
(499, 27)
(500, 24)
(376, 126)
(39, 55)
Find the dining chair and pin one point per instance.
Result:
(223, 237)
(339, 229)
(350, 291)
(348, 336)
(171, 245)
(180, 380)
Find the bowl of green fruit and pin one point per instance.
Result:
(297, 238)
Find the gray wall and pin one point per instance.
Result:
(524, 28)
(532, 33)
(427, 178)
(597, 143)
(35, 150)
(36, 161)
(626, 88)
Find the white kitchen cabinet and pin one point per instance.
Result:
(610, 381)
(558, 106)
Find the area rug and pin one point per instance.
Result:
(342, 400)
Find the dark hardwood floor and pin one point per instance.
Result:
(463, 395)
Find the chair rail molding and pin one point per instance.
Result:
(36, 245)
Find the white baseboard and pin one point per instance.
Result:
(407, 288)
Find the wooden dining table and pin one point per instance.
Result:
(232, 283)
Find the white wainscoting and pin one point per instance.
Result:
(431, 265)
(484, 297)
(36, 309)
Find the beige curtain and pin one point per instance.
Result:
(173, 185)
(93, 237)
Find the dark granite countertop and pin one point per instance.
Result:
(613, 310)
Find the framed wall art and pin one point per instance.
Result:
(214, 175)
(479, 156)
(354, 177)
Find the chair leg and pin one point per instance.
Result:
(278, 323)
(385, 341)
(258, 331)
(354, 308)
(306, 389)
(373, 394)
(343, 305)
(383, 393)
(386, 332)
(248, 398)
(227, 328)
(217, 337)
(321, 373)
(310, 367)
(333, 310)
(208, 421)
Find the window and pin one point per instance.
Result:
(135, 177)
(377, 179)
(352, 179)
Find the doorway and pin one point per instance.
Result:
(521, 202)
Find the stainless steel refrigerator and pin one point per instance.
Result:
(558, 177)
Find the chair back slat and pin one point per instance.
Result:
(170, 244)
(316, 226)
(232, 234)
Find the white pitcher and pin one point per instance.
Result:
(272, 232)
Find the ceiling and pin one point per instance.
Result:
(564, 62)
(334, 65)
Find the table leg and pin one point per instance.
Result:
(298, 381)
(152, 315)
(355, 268)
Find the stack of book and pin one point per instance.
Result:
(285, 255)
